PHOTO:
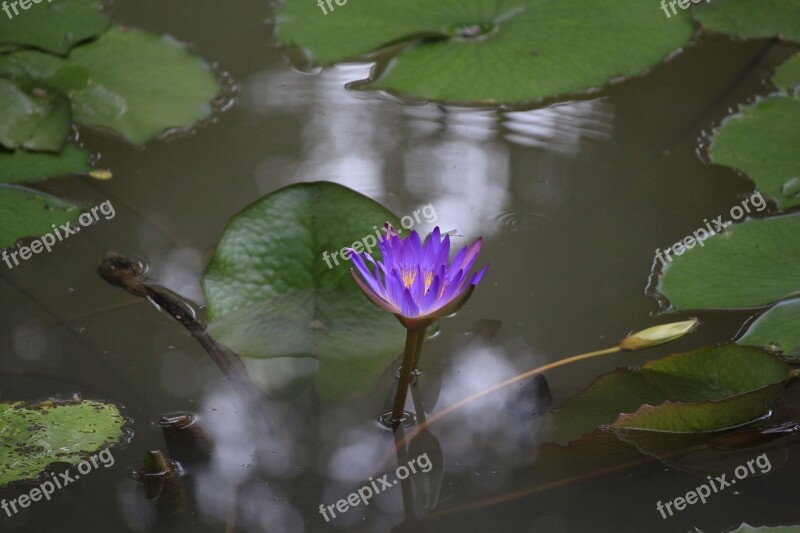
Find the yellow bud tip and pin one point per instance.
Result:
(101, 174)
(658, 335)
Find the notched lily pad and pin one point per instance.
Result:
(271, 294)
(35, 119)
(23, 165)
(32, 437)
(503, 51)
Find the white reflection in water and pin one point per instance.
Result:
(494, 429)
(561, 128)
(343, 142)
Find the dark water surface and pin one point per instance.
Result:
(572, 199)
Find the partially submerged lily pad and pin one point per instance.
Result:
(32, 437)
(752, 264)
(508, 51)
(53, 26)
(762, 141)
(746, 18)
(26, 213)
(23, 165)
(777, 330)
(270, 293)
(705, 390)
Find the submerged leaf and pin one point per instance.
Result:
(32, 437)
(270, 293)
(751, 264)
(503, 51)
(26, 213)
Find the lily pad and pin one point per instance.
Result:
(753, 20)
(749, 265)
(270, 293)
(503, 51)
(22, 165)
(777, 330)
(762, 142)
(32, 437)
(37, 120)
(718, 387)
(135, 83)
(26, 213)
(53, 26)
(787, 75)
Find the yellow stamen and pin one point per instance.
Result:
(408, 278)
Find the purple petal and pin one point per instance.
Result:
(368, 276)
(377, 300)
(409, 308)
(472, 255)
(479, 276)
(395, 288)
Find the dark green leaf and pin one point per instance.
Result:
(787, 76)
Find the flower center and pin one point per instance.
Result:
(408, 277)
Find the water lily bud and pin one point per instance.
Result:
(658, 335)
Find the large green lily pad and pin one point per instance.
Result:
(749, 19)
(26, 213)
(32, 437)
(787, 75)
(777, 330)
(270, 293)
(55, 26)
(717, 387)
(135, 83)
(749, 265)
(22, 165)
(762, 141)
(37, 120)
(502, 51)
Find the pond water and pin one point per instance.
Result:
(572, 200)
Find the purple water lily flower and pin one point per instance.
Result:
(418, 282)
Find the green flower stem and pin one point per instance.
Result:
(414, 340)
